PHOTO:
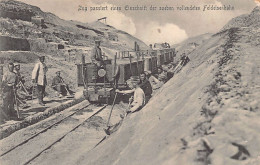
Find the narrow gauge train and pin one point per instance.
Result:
(114, 73)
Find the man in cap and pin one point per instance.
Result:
(161, 73)
(97, 60)
(20, 78)
(59, 85)
(9, 82)
(96, 54)
(39, 78)
(139, 96)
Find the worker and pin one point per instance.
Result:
(161, 73)
(139, 97)
(145, 85)
(153, 80)
(9, 82)
(97, 61)
(59, 85)
(39, 78)
(21, 91)
(96, 54)
(159, 83)
(20, 78)
(184, 59)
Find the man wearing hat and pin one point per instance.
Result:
(97, 60)
(39, 78)
(145, 85)
(59, 85)
(9, 82)
(139, 96)
(18, 73)
(96, 54)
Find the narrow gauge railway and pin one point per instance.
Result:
(114, 73)
(24, 152)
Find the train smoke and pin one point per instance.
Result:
(153, 32)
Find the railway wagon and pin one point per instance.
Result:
(114, 74)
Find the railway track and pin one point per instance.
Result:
(49, 136)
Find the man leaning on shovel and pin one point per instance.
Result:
(135, 104)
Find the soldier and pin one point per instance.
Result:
(9, 82)
(139, 97)
(39, 78)
(145, 85)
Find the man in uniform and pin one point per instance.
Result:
(59, 85)
(145, 85)
(139, 97)
(39, 78)
(9, 82)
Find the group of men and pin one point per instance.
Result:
(13, 80)
(147, 84)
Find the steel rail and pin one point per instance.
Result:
(42, 131)
(59, 139)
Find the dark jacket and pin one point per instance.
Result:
(146, 87)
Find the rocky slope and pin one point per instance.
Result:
(206, 114)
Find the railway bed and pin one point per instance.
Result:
(52, 132)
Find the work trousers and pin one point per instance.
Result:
(61, 89)
(8, 101)
(40, 92)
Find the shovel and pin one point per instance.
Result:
(107, 130)
(16, 103)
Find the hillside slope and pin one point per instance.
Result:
(18, 21)
(206, 114)
(23, 38)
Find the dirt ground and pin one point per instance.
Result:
(89, 134)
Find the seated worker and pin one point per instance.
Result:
(184, 59)
(139, 96)
(145, 85)
(159, 84)
(161, 72)
(59, 85)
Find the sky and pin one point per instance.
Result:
(152, 26)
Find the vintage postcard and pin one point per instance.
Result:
(129, 82)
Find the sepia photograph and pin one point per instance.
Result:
(129, 82)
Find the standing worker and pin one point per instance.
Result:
(17, 69)
(139, 96)
(39, 78)
(97, 60)
(9, 82)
